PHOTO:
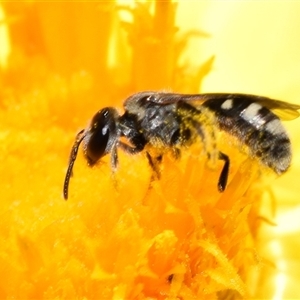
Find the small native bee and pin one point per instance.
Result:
(170, 121)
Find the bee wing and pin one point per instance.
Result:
(284, 110)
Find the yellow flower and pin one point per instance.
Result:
(125, 236)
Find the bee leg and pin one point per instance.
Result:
(130, 149)
(126, 148)
(176, 153)
(224, 174)
(154, 164)
(114, 158)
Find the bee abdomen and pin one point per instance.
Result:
(257, 127)
(273, 150)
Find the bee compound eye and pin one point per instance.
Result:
(101, 135)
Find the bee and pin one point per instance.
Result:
(171, 121)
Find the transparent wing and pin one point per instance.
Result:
(284, 110)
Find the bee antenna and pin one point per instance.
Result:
(79, 137)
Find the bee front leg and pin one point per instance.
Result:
(114, 160)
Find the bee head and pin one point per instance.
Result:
(101, 135)
(98, 140)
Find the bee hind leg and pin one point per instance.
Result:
(222, 183)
